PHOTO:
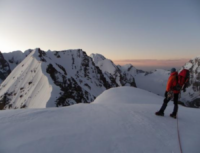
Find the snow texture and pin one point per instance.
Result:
(121, 120)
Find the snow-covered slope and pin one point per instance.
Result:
(26, 86)
(47, 79)
(122, 75)
(55, 78)
(120, 120)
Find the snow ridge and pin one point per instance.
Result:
(120, 120)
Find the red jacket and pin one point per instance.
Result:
(172, 81)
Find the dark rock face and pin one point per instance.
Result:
(126, 79)
(5, 100)
(73, 88)
(41, 54)
(4, 68)
(69, 87)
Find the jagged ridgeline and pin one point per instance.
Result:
(39, 79)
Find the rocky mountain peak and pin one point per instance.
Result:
(58, 78)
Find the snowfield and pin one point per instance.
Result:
(155, 81)
(120, 120)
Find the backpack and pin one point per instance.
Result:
(182, 80)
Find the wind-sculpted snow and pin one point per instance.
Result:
(120, 120)
(129, 95)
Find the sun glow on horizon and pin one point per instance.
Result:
(150, 64)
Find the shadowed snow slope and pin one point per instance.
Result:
(120, 120)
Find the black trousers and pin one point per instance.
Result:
(166, 100)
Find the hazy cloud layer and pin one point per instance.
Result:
(151, 64)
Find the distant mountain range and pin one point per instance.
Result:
(39, 79)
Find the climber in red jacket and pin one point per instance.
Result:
(170, 94)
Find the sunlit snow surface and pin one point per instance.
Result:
(121, 120)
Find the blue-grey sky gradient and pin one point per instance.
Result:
(118, 29)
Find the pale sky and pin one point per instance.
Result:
(121, 30)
